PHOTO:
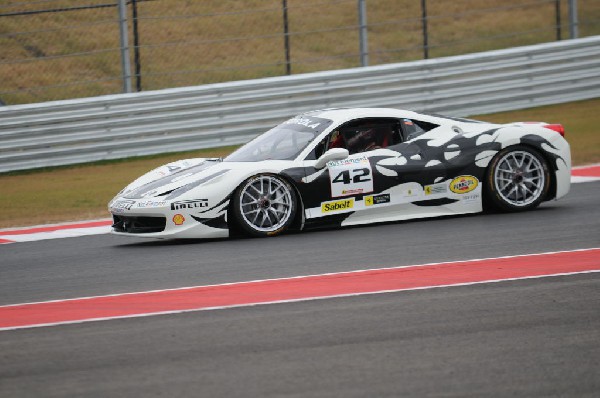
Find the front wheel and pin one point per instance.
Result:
(517, 179)
(264, 205)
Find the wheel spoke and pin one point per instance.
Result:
(276, 212)
(531, 181)
(525, 188)
(256, 189)
(523, 159)
(249, 211)
(528, 168)
(522, 192)
(511, 183)
(250, 203)
(515, 190)
(256, 217)
(266, 216)
(516, 162)
(277, 189)
(246, 193)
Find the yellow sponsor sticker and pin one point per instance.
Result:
(464, 184)
(368, 201)
(337, 205)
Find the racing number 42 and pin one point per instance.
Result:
(353, 176)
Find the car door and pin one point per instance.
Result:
(352, 184)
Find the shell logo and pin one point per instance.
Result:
(464, 184)
(178, 219)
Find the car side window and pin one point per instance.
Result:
(371, 133)
(413, 128)
(319, 149)
(365, 135)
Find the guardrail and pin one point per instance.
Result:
(118, 126)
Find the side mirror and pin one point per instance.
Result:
(332, 154)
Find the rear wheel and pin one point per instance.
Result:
(517, 179)
(264, 205)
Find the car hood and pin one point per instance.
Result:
(174, 179)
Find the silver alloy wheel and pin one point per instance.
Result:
(519, 178)
(266, 203)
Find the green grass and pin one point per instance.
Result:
(72, 193)
(184, 43)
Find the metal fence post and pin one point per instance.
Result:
(125, 62)
(136, 47)
(558, 20)
(286, 39)
(363, 34)
(425, 35)
(573, 22)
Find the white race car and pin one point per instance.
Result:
(339, 167)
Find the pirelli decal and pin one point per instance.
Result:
(337, 205)
(189, 204)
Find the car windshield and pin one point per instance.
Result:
(282, 142)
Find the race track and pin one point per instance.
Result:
(533, 337)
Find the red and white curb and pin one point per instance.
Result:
(300, 288)
(97, 227)
(585, 173)
(55, 231)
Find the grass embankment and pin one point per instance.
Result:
(61, 55)
(82, 192)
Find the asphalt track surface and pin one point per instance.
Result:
(534, 337)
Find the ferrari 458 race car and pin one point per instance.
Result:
(339, 167)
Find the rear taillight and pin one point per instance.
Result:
(556, 127)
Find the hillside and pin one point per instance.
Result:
(57, 49)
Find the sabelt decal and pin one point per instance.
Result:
(189, 204)
(464, 184)
(377, 199)
(337, 205)
(178, 219)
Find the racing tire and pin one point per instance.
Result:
(264, 205)
(517, 179)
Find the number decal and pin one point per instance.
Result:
(352, 176)
(362, 173)
(343, 177)
(358, 174)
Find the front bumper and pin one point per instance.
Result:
(129, 219)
